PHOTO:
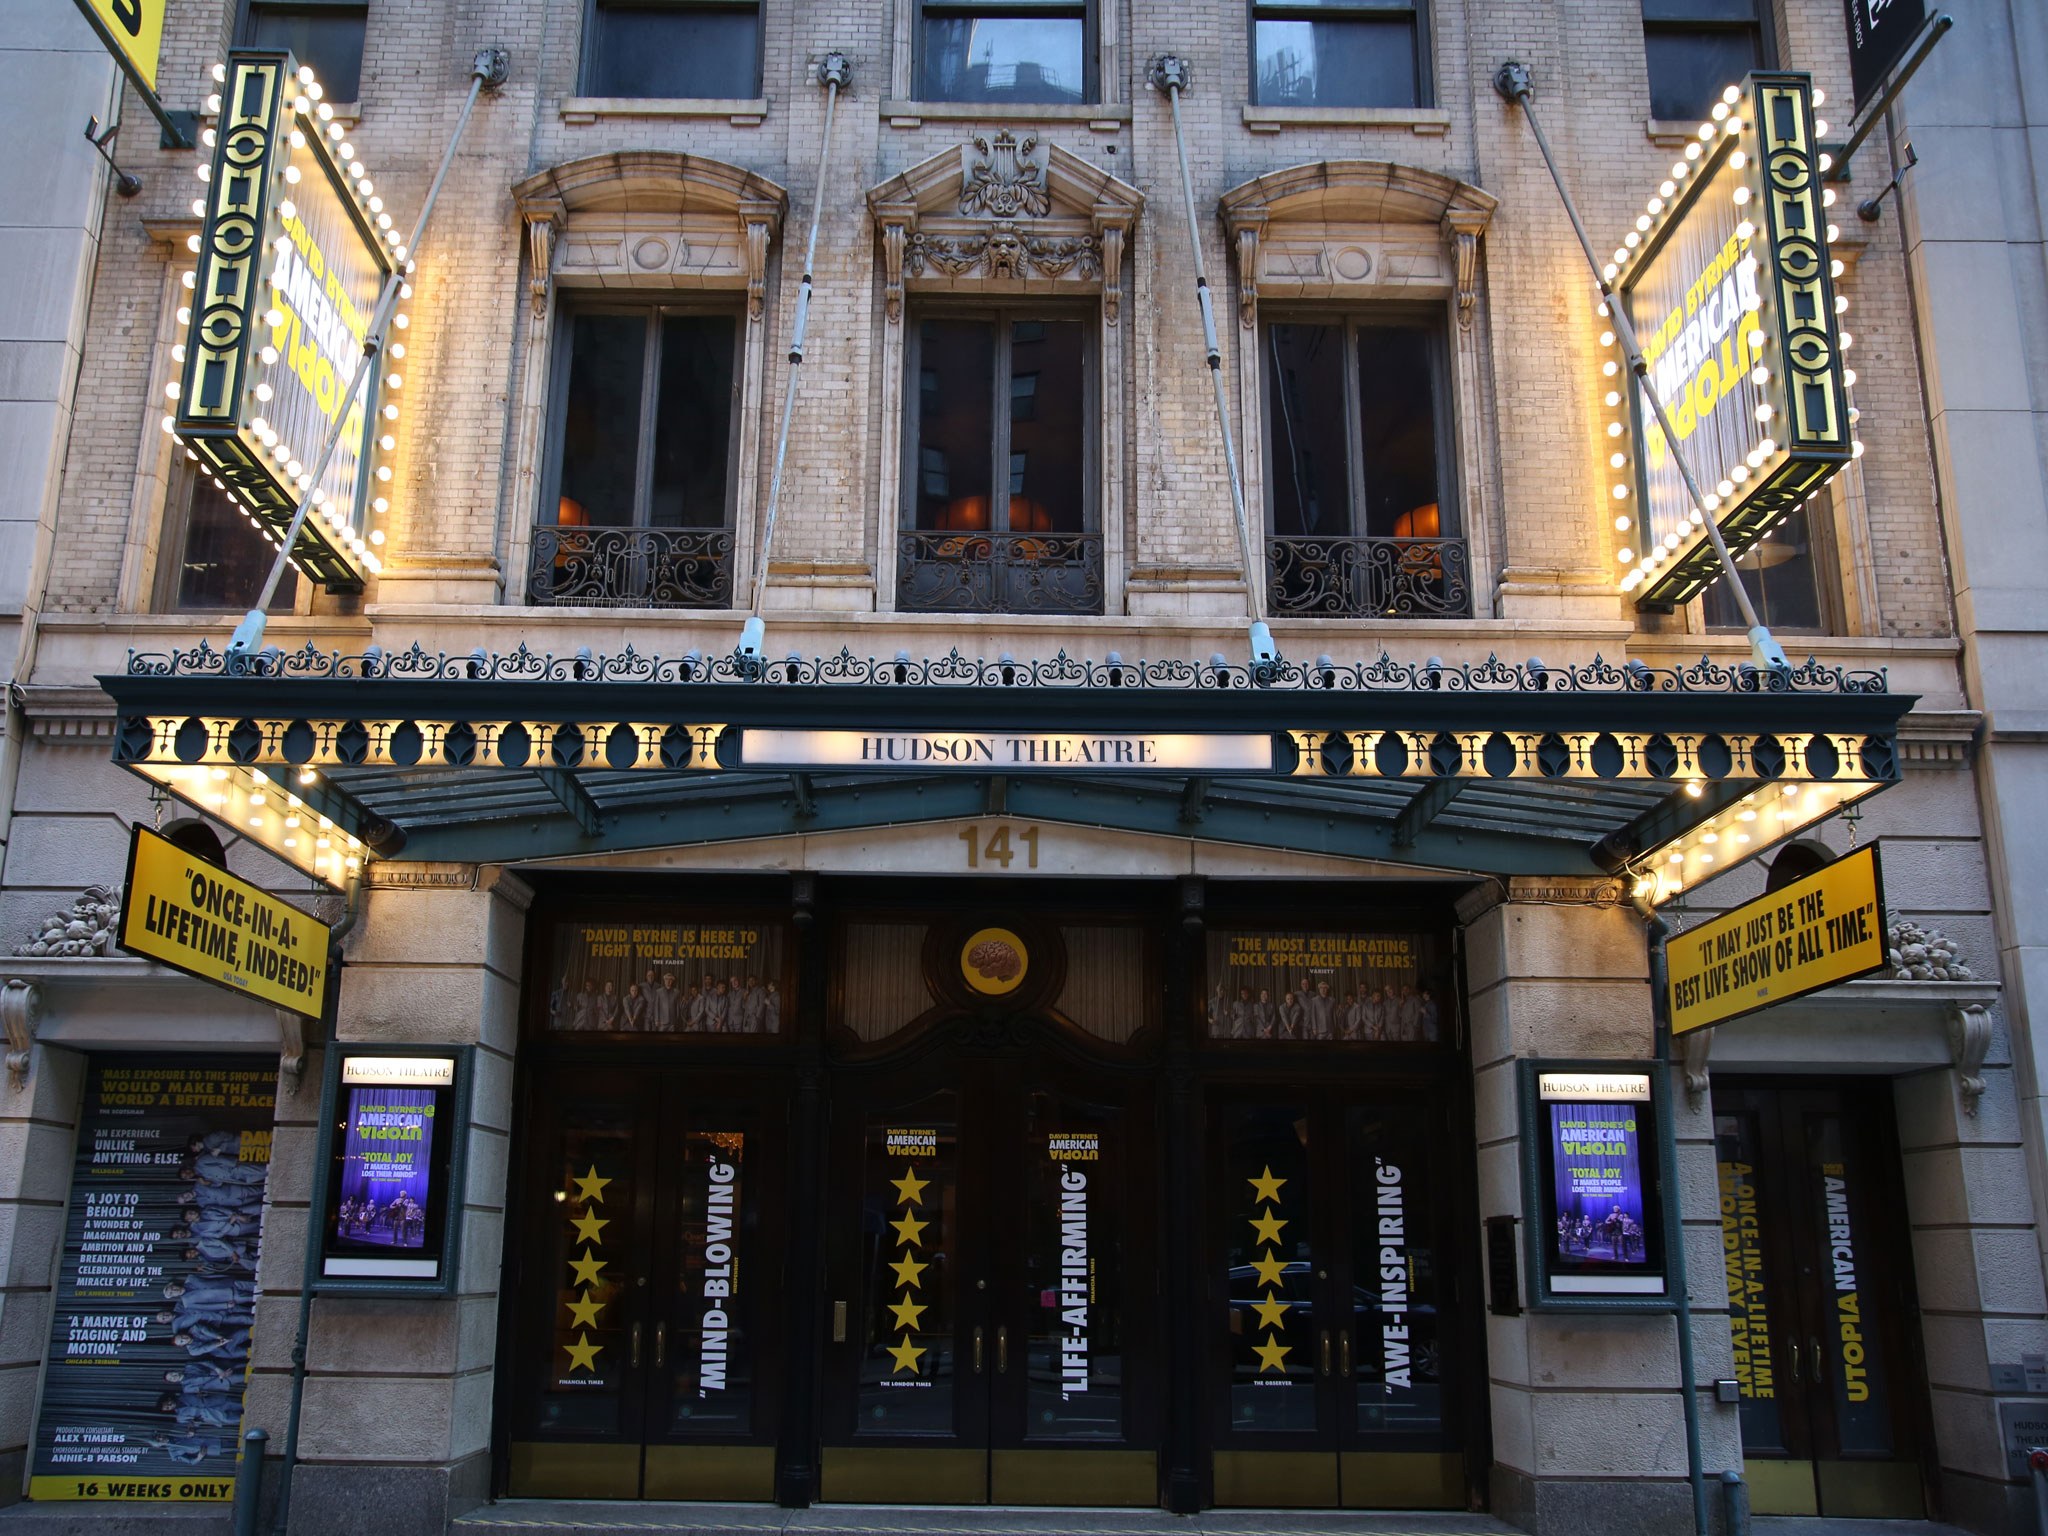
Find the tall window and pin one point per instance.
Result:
(1696, 48)
(1782, 572)
(1023, 51)
(326, 34)
(997, 507)
(1359, 499)
(639, 511)
(212, 556)
(672, 48)
(1338, 53)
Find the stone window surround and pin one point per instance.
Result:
(1003, 216)
(1354, 233)
(142, 549)
(642, 221)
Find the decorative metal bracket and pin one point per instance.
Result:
(1693, 1051)
(1969, 1042)
(21, 1006)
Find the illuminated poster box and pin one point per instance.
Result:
(397, 1118)
(1729, 286)
(294, 249)
(1590, 1192)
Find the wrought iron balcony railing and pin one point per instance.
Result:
(1312, 577)
(999, 573)
(631, 567)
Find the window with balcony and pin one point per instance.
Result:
(639, 509)
(213, 559)
(1696, 48)
(1338, 53)
(998, 514)
(325, 34)
(1026, 51)
(676, 49)
(1360, 513)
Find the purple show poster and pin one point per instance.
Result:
(1598, 1163)
(386, 1166)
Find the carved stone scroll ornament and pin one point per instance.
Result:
(21, 1005)
(894, 237)
(1248, 276)
(1462, 228)
(1693, 1051)
(1112, 238)
(542, 224)
(1005, 177)
(291, 1046)
(757, 227)
(1003, 252)
(1969, 1042)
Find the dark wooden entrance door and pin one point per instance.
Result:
(648, 1278)
(993, 1336)
(1821, 1299)
(1333, 1357)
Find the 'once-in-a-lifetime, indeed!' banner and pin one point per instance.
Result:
(708, 978)
(156, 1287)
(1322, 986)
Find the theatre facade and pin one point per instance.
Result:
(1009, 1039)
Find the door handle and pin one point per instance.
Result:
(1344, 1353)
(1002, 1349)
(977, 1351)
(1813, 1359)
(660, 1345)
(1326, 1351)
(838, 1322)
(636, 1346)
(1795, 1359)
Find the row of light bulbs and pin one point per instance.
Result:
(1761, 818)
(1766, 452)
(271, 813)
(282, 456)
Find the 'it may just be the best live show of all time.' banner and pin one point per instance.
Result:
(156, 1286)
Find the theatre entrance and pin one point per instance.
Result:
(1821, 1299)
(994, 1334)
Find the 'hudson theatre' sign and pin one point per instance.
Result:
(1008, 751)
(197, 918)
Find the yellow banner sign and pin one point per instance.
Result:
(1813, 933)
(133, 30)
(197, 918)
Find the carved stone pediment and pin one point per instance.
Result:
(651, 218)
(1356, 228)
(1004, 213)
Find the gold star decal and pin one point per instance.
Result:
(583, 1311)
(1265, 1186)
(907, 1270)
(585, 1269)
(1272, 1355)
(583, 1353)
(910, 1188)
(1272, 1313)
(906, 1355)
(589, 1224)
(590, 1186)
(909, 1230)
(1268, 1269)
(1266, 1227)
(907, 1313)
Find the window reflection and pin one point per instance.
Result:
(1039, 56)
(1336, 56)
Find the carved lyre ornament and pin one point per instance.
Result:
(1002, 214)
(1005, 177)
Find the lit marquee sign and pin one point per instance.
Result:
(294, 249)
(1729, 287)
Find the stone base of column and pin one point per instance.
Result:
(1598, 1506)
(338, 1499)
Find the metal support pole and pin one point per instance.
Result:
(1514, 85)
(1171, 75)
(1734, 1503)
(835, 73)
(249, 1481)
(1674, 1230)
(489, 68)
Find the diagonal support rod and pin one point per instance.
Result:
(576, 800)
(1515, 86)
(1427, 805)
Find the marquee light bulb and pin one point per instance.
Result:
(178, 352)
(287, 209)
(1632, 239)
(274, 318)
(1739, 473)
(1854, 415)
(269, 356)
(1706, 134)
(398, 349)
(1614, 429)
(1642, 222)
(1856, 449)
(198, 207)
(1667, 189)
(1720, 110)
(1616, 460)
(1620, 492)
(384, 473)
(1621, 525)
(335, 130)
(1738, 160)
(1679, 169)
(1741, 196)
(1755, 338)
(1764, 411)
(315, 90)
(1820, 127)
(383, 221)
(298, 139)
(291, 172)
(1849, 378)
(206, 137)
(220, 74)
(401, 321)
(381, 505)
(1610, 367)
(1759, 375)
(1609, 271)
(203, 171)
(376, 205)
(263, 392)
(302, 105)
(1732, 126)
(387, 442)
(1620, 254)
(1841, 305)
(295, 469)
(405, 290)
(1692, 151)
(393, 381)
(1613, 398)
(376, 535)
(169, 427)
(1827, 196)
(1745, 230)
(1626, 556)
(391, 412)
